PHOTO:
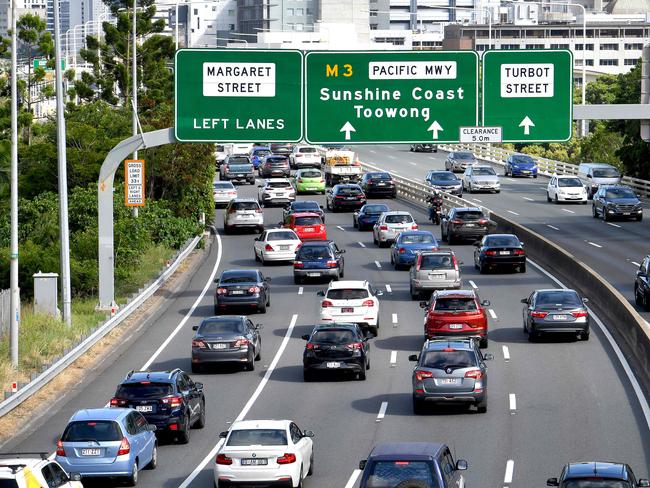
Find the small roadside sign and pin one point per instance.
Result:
(134, 182)
(469, 135)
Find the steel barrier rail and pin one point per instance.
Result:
(61, 364)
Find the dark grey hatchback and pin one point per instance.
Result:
(243, 288)
(555, 311)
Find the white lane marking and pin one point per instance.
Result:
(613, 225)
(412, 164)
(339, 227)
(643, 402)
(510, 179)
(552, 227)
(510, 470)
(390, 156)
(353, 477)
(300, 290)
(393, 358)
(187, 316)
(635, 263)
(395, 171)
(506, 353)
(529, 199)
(512, 399)
(362, 244)
(472, 284)
(594, 244)
(477, 200)
(389, 289)
(382, 411)
(378, 264)
(372, 151)
(394, 318)
(492, 314)
(249, 404)
(513, 213)
(567, 210)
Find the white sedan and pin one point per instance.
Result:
(223, 192)
(353, 302)
(565, 188)
(264, 451)
(390, 224)
(276, 245)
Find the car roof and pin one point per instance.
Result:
(454, 293)
(597, 165)
(466, 209)
(335, 285)
(481, 166)
(305, 201)
(322, 243)
(415, 232)
(443, 250)
(397, 212)
(439, 344)
(335, 325)
(157, 376)
(614, 186)
(223, 318)
(100, 414)
(566, 176)
(554, 289)
(501, 235)
(235, 272)
(280, 229)
(243, 199)
(260, 424)
(305, 214)
(601, 469)
(347, 185)
(401, 450)
(278, 180)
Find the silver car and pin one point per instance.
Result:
(555, 311)
(223, 192)
(434, 270)
(459, 161)
(390, 224)
(481, 178)
(243, 213)
(276, 191)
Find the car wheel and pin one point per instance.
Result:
(470, 189)
(532, 336)
(262, 260)
(522, 268)
(367, 364)
(226, 229)
(354, 223)
(200, 422)
(327, 204)
(594, 214)
(584, 336)
(154, 458)
(257, 258)
(184, 435)
(637, 297)
(418, 406)
(534, 176)
(258, 356)
(639, 218)
(342, 274)
(548, 196)
(362, 375)
(556, 200)
(605, 216)
(250, 364)
(414, 295)
(132, 480)
(311, 465)
(481, 407)
(450, 238)
(483, 343)
(261, 308)
(481, 268)
(374, 240)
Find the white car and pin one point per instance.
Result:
(390, 224)
(481, 177)
(264, 451)
(275, 191)
(223, 192)
(243, 213)
(565, 188)
(305, 157)
(353, 302)
(276, 245)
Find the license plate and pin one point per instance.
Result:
(525, 171)
(449, 381)
(219, 345)
(313, 274)
(284, 248)
(381, 184)
(311, 188)
(350, 198)
(254, 462)
(240, 176)
(237, 292)
(470, 225)
(504, 253)
(308, 229)
(347, 310)
(455, 326)
(559, 317)
(626, 213)
(436, 276)
(333, 365)
(278, 194)
(90, 452)
(144, 408)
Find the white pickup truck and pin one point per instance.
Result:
(341, 166)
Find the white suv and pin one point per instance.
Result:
(276, 190)
(243, 213)
(28, 472)
(305, 157)
(353, 302)
(389, 226)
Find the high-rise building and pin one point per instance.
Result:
(35, 7)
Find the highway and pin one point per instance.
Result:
(549, 403)
(613, 249)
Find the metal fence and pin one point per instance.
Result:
(5, 310)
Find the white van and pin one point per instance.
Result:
(594, 174)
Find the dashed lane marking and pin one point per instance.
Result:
(510, 471)
(506, 353)
(552, 227)
(382, 411)
(300, 290)
(567, 210)
(355, 474)
(393, 358)
(493, 314)
(513, 213)
(594, 244)
(472, 284)
(378, 264)
(362, 244)
(389, 289)
(512, 399)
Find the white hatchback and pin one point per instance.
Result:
(390, 224)
(276, 245)
(566, 188)
(276, 190)
(353, 302)
(264, 451)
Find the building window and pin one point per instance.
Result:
(196, 11)
(636, 46)
(590, 47)
(373, 13)
(290, 25)
(510, 46)
(633, 33)
(534, 46)
(373, 26)
(299, 27)
(309, 11)
(231, 13)
(609, 47)
(609, 62)
(231, 27)
(631, 62)
(559, 46)
(290, 11)
(589, 62)
(214, 9)
(300, 12)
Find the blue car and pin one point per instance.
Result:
(520, 165)
(407, 244)
(318, 259)
(258, 154)
(366, 217)
(108, 442)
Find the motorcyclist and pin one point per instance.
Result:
(435, 206)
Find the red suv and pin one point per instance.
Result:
(456, 313)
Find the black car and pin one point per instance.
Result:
(380, 183)
(226, 339)
(465, 223)
(366, 217)
(244, 288)
(499, 250)
(445, 181)
(275, 165)
(642, 284)
(337, 347)
(344, 196)
(616, 201)
(170, 400)
(318, 259)
(311, 206)
(424, 148)
(597, 474)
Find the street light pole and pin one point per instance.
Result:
(15, 291)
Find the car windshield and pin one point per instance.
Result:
(238, 277)
(310, 174)
(398, 219)
(222, 326)
(606, 173)
(92, 430)
(522, 160)
(436, 261)
(131, 391)
(502, 241)
(619, 193)
(281, 236)
(261, 152)
(336, 336)
(443, 177)
(308, 220)
(348, 191)
(257, 437)
(416, 239)
(453, 358)
(219, 148)
(238, 160)
(375, 209)
(313, 253)
(347, 294)
(378, 176)
(222, 185)
(278, 184)
(558, 298)
(245, 205)
(484, 171)
(389, 474)
(461, 304)
(470, 215)
(305, 150)
(596, 483)
(308, 205)
(465, 156)
(568, 182)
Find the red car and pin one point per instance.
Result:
(456, 313)
(309, 226)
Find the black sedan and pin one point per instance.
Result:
(555, 311)
(339, 347)
(311, 206)
(228, 339)
(345, 196)
(500, 250)
(242, 288)
(366, 217)
(379, 184)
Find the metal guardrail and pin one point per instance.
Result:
(59, 365)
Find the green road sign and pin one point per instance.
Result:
(238, 95)
(390, 96)
(42, 63)
(529, 93)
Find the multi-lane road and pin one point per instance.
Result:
(549, 403)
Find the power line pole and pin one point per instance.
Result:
(15, 291)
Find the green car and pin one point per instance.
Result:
(309, 181)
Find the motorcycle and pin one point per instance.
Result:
(435, 208)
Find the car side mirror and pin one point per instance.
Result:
(588, 176)
(151, 428)
(258, 326)
(521, 244)
(256, 239)
(485, 303)
(223, 435)
(643, 482)
(488, 357)
(198, 385)
(267, 279)
(259, 186)
(320, 293)
(308, 433)
(585, 300)
(477, 243)
(362, 464)
(321, 207)
(460, 263)
(552, 482)
(75, 476)
(525, 301)
(305, 337)
(216, 280)
(461, 465)
(423, 304)
(195, 327)
(413, 357)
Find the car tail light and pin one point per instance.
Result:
(232, 210)
(117, 402)
(538, 315)
(368, 303)
(241, 343)
(477, 374)
(326, 303)
(174, 402)
(483, 221)
(361, 196)
(401, 250)
(455, 261)
(299, 155)
(299, 180)
(125, 447)
(331, 263)
(421, 375)
(232, 193)
(258, 210)
(456, 222)
(310, 346)
(223, 459)
(383, 227)
(268, 247)
(414, 227)
(322, 180)
(254, 289)
(221, 291)
(298, 264)
(197, 343)
(355, 345)
(288, 458)
(519, 252)
(582, 313)
(490, 253)
(59, 448)
(173, 426)
(339, 196)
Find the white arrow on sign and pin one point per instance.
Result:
(434, 128)
(526, 124)
(347, 128)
